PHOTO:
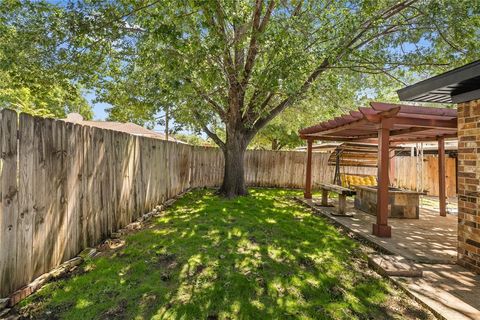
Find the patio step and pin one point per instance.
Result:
(393, 265)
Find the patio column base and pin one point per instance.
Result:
(382, 230)
(307, 195)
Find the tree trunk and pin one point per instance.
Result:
(234, 174)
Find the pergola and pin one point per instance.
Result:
(386, 124)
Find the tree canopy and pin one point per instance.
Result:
(34, 75)
(230, 67)
(215, 60)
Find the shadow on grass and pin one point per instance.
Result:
(255, 257)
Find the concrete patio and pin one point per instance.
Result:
(430, 239)
(430, 243)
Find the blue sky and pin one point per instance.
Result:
(99, 112)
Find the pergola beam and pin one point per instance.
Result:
(336, 138)
(375, 140)
(426, 123)
(375, 117)
(400, 132)
(380, 106)
(347, 126)
(423, 139)
(414, 125)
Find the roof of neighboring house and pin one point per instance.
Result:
(127, 127)
(450, 145)
(454, 86)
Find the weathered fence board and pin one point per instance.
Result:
(24, 233)
(9, 206)
(39, 198)
(65, 187)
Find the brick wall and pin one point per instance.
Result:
(468, 185)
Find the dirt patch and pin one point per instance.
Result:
(253, 240)
(167, 261)
(117, 312)
(36, 310)
(306, 262)
(111, 244)
(149, 302)
(409, 309)
(166, 276)
(198, 269)
(336, 292)
(262, 283)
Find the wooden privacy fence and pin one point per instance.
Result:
(410, 173)
(287, 169)
(267, 168)
(65, 186)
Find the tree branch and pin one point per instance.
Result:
(290, 99)
(222, 32)
(214, 137)
(387, 13)
(258, 26)
(135, 10)
(440, 32)
(249, 115)
(210, 133)
(216, 107)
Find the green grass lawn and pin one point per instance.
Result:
(257, 257)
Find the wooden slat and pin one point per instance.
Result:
(90, 190)
(50, 194)
(72, 185)
(9, 205)
(39, 197)
(25, 218)
(60, 211)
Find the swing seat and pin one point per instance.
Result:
(351, 181)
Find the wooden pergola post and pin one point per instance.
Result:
(307, 194)
(381, 228)
(441, 177)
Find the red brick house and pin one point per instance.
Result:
(460, 86)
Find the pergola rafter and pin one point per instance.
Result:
(387, 124)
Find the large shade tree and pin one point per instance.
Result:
(231, 67)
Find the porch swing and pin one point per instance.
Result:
(354, 155)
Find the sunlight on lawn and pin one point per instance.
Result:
(256, 257)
